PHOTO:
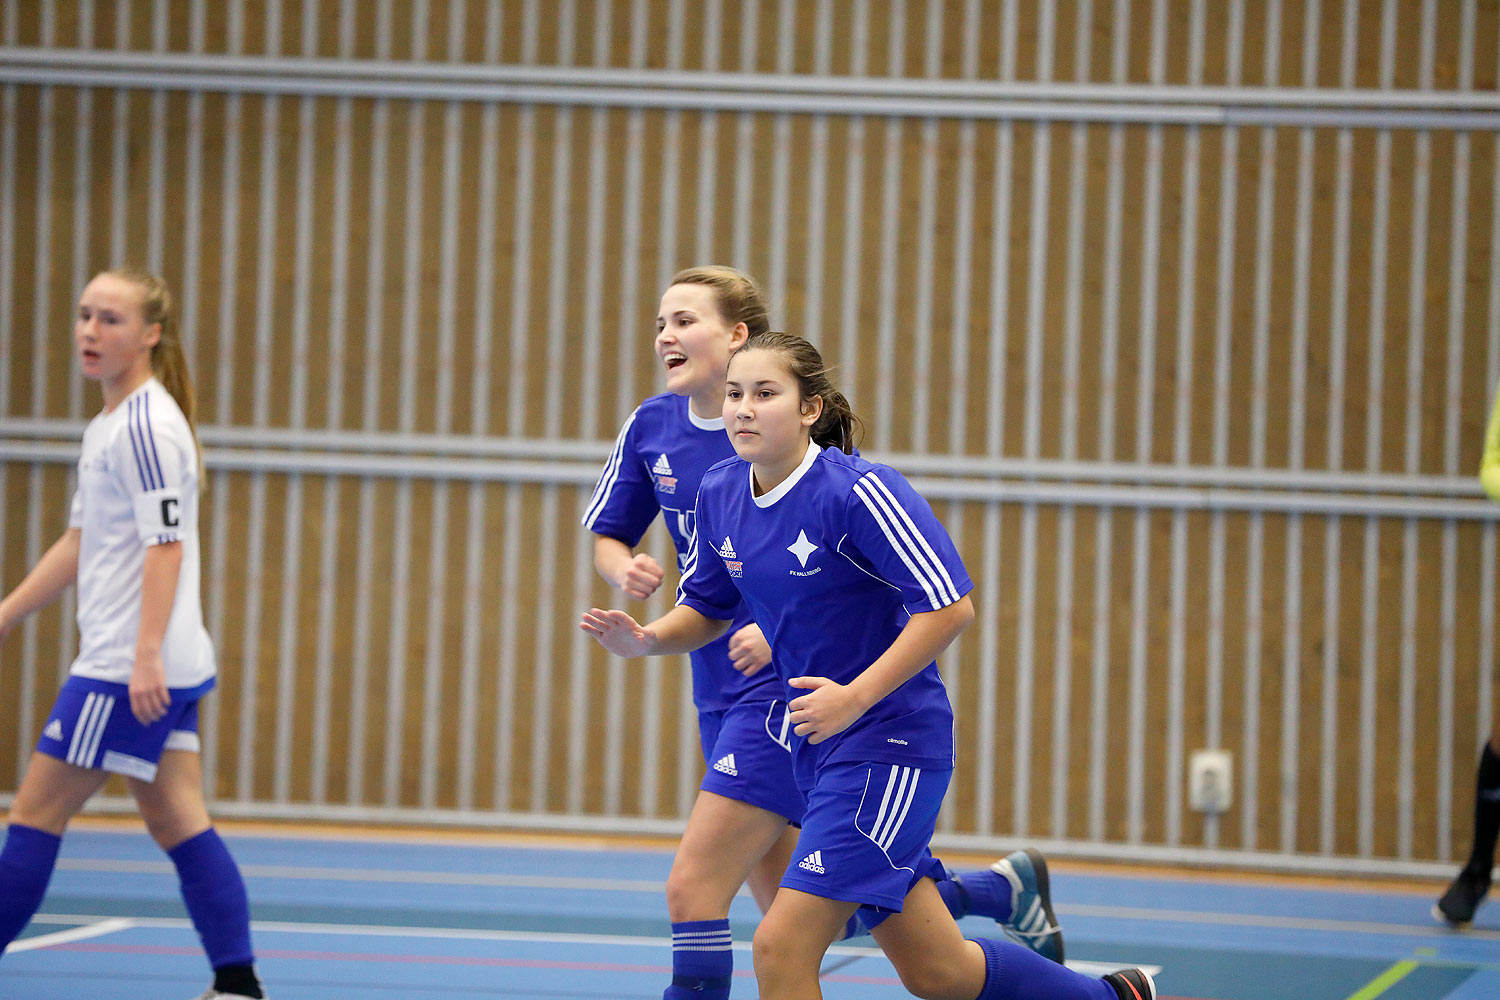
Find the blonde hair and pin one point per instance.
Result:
(168, 362)
(838, 425)
(737, 296)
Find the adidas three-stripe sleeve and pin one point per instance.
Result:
(893, 527)
(706, 586)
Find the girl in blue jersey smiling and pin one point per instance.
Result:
(857, 589)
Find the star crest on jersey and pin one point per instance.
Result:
(54, 730)
(802, 548)
(813, 863)
(662, 466)
(725, 765)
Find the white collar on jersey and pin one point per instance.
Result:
(767, 499)
(705, 423)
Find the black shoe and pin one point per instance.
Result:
(1132, 984)
(1456, 908)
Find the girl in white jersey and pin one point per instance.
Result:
(738, 831)
(858, 588)
(130, 703)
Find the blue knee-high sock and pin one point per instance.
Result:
(26, 864)
(983, 893)
(701, 960)
(1016, 973)
(215, 896)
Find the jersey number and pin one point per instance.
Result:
(169, 515)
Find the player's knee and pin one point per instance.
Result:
(170, 823)
(166, 829)
(50, 817)
(773, 950)
(931, 980)
(682, 896)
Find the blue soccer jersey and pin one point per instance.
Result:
(833, 563)
(657, 462)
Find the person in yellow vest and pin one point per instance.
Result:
(1456, 907)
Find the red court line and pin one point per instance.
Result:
(458, 960)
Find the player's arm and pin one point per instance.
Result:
(622, 507)
(829, 708)
(53, 573)
(148, 678)
(681, 630)
(1489, 466)
(635, 573)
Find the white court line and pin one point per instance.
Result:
(645, 885)
(475, 934)
(1273, 923)
(101, 927)
(1100, 969)
(384, 875)
(448, 933)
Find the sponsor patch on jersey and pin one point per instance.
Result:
(666, 484)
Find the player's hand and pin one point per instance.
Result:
(826, 710)
(641, 577)
(149, 697)
(748, 650)
(618, 632)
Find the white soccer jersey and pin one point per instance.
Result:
(137, 487)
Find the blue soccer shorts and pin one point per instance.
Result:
(866, 832)
(747, 748)
(91, 726)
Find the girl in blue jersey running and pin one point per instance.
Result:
(130, 703)
(738, 832)
(857, 588)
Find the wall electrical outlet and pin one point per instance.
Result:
(1210, 781)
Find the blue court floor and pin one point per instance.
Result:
(440, 918)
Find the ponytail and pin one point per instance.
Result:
(168, 361)
(736, 294)
(838, 426)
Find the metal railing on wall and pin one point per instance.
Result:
(908, 247)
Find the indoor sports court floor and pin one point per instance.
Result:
(445, 917)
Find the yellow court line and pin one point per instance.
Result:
(1390, 977)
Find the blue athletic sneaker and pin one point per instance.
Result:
(1031, 922)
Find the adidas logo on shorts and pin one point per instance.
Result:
(725, 765)
(54, 731)
(813, 863)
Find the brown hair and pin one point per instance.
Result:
(168, 362)
(736, 294)
(838, 425)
